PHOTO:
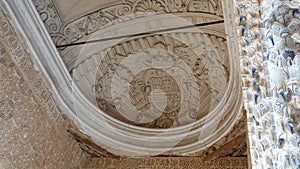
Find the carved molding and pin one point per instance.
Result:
(166, 162)
(38, 122)
(65, 33)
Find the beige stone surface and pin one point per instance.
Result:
(33, 132)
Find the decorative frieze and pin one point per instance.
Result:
(67, 32)
(166, 162)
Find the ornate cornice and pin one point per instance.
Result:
(67, 32)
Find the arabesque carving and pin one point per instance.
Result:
(104, 130)
(209, 95)
(65, 33)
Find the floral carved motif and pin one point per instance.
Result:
(65, 33)
(144, 83)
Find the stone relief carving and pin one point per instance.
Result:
(65, 33)
(110, 132)
(166, 162)
(269, 80)
(81, 27)
(210, 96)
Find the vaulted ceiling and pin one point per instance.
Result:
(162, 84)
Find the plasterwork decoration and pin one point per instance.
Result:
(153, 79)
(270, 66)
(106, 162)
(33, 77)
(18, 51)
(205, 77)
(31, 134)
(232, 145)
(65, 33)
(166, 162)
(124, 60)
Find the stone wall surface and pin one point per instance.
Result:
(33, 132)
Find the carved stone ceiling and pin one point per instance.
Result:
(180, 83)
(72, 9)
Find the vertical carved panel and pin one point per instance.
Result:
(269, 61)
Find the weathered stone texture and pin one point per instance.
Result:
(31, 136)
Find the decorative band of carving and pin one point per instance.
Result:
(167, 162)
(65, 33)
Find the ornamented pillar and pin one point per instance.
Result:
(269, 43)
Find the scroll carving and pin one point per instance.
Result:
(65, 33)
(209, 95)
